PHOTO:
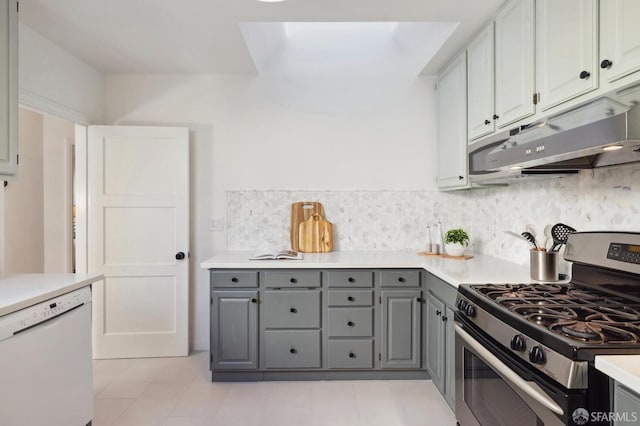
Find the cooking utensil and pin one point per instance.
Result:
(300, 212)
(532, 230)
(560, 232)
(529, 237)
(515, 234)
(315, 235)
(547, 236)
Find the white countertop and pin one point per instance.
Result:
(624, 369)
(24, 290)
(479, 269)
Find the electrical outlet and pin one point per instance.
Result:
(216, 224)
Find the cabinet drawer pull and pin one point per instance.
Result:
(293, 310)
(584, 75)
(496, 116)
(293, 280)
(606, 64)
(419, 300)
(444, 319)
(487, 122)
(352, 355)
(351, 299)
(234, 280)
(401, 279)
(351, 324)
(438, 313)
(293, 350)
(254, 300)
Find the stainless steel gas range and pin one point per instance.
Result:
(525, 352)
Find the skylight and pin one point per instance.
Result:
(344, 48)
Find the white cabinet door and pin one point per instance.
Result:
(566, 52)
(619, 38)
(514, 62)
(452, 126)
(480, 85)
(138, 232)
(8, 89)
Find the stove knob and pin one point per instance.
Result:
(536, 355)
(518, 343)
(470, 310)
(462, 304)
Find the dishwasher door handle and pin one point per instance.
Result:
(49, 322)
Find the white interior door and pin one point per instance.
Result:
(138, 193)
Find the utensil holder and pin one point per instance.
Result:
(544, 265)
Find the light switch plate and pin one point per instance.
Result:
(216, 224)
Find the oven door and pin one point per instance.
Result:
(493, 391)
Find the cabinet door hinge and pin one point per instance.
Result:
(18, 6)
(536, 98)
(379, 356)
(210, 357)
(380, 300)
(211, 300)
(17, 158)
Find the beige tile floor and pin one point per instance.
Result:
(179, 392)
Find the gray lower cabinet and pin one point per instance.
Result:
(400, 346)
(626, 405)
(435, 341)
(440, 336)
(280, 324)
(234, 330)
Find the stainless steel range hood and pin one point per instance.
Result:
(580, 138)
(604, 132)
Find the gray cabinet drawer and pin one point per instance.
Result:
(234, 279)
(292, 278)
(350, 278)
(292, 349)
(350, 353)
(350, 322)
(350, 297)
(400, 278)
(292, 309)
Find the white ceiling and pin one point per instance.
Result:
(203, 36)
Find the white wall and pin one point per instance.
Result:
(23, 199)
(268, 132)
(57, 139)
(51, 74)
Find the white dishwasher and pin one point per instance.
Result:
(46, 375)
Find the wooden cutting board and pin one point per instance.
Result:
(300, 212)
(315, 235)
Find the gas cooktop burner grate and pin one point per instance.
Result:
(573, 311)
(596, 332)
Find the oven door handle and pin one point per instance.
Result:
(528, 387)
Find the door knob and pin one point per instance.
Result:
(179, 255)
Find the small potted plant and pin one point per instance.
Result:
(456, 242)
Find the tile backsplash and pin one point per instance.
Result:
(602, 199)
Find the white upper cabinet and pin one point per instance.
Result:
(8, 89)
(480, 80)
(452, 126)
(619, 39)
(566, 50)
(515, 62)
